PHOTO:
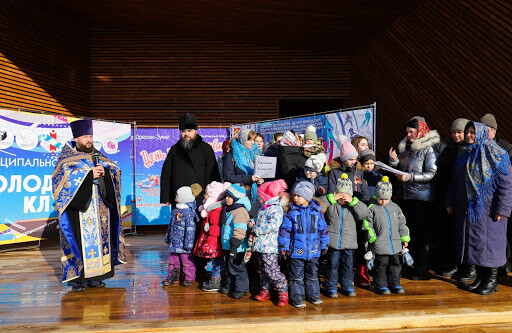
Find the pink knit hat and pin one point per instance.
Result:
(216, 192)
(347, 150)
(270, 190)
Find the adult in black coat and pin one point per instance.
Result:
(189, 161)
(290, 159)
(446, 244)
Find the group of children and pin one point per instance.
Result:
(300, 229)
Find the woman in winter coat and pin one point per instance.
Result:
(208, 243)
(481, 199)
(238, 166)
(290, 158)
(417, 158)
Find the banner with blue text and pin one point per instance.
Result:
(152, 147)
(30, 144)
(351, 123)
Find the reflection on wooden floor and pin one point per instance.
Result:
(33, 299)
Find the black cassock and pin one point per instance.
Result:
(81, 202)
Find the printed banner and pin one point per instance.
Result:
(29, 146)
(152, 147)
(351, 123)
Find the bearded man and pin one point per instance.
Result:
(87, 191)
(190, 160)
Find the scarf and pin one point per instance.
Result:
(289, 139)
(244, 160)
(422, 129)
(484, 162)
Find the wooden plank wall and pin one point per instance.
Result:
(44, 62)
(442, 60)
(154, 78)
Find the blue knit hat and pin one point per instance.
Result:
(305, 190)
(236, 191)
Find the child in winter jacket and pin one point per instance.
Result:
(208, 243)
(234, 219)
(313, 173)
(266, 230)
(303, 236)
(370, 174)
(348, 157)
(386, 232)
(180, 237)
(342, 220)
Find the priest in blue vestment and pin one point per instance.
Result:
(87, 188)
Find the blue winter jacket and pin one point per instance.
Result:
(182, 228)
(304, 231)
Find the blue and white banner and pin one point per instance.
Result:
(152, 147)
(29, 146)
(351, 123)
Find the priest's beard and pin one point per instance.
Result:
(187, 145)
(86, 148)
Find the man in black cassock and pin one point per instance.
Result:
(190, 160)
(86, 189)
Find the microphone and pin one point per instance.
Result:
(96, 161)
(96, 158)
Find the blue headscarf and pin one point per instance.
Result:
(485, 161)
(244, 158)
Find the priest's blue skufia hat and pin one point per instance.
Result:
(81, 127)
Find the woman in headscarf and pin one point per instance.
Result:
(480, 196)
(238, 166)
(417, 159)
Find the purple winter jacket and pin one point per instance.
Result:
(482, 243)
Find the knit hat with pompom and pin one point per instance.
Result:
(384, 189)
(270, 190)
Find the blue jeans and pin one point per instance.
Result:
(300, 269)
(334, 259)
(217, 267)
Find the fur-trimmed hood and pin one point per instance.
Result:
(430, 139)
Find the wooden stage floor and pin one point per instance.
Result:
(32, 298)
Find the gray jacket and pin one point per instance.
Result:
(386, 228)
(419, 160)
(341, 222)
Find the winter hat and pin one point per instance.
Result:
(347, 150)
(188, 121)
(270, 190)
(236, 192)
(459, 124)
(366, 155)
(196, 189)
(344, 185)
(305, 190)
(489, 120)
(384, 189)
(310, 133)
(184, 195)
(81, 127)
(215, 190)
(315, 163)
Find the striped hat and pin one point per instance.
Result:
(236, 191)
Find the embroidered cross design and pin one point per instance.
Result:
(92, 253)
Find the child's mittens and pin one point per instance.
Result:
(235, 243)
(406, 257)
(369, 259)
